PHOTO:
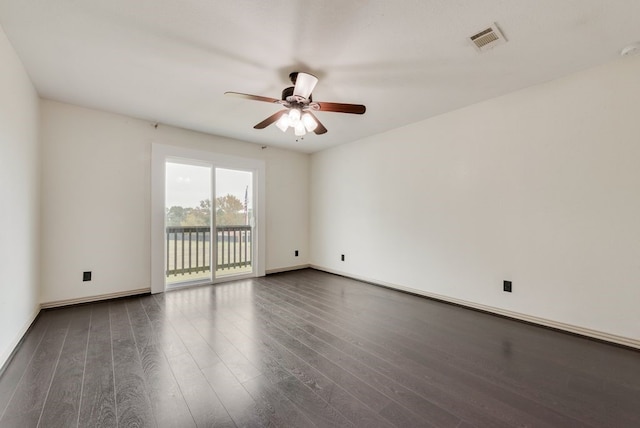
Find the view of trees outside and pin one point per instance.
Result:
(190, 216)
(187, 195)
(230, 211)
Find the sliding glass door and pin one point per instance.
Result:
(207, 222)
(205, 240)
(188, 223)
(234, 222)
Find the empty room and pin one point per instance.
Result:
(306, 213)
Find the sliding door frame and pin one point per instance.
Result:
(160, 154)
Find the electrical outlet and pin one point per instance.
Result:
(86, 276)
(506, 286)
(342, 257)
(296, 253)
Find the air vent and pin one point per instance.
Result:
(488, 38)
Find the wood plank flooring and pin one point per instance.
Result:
(304, 349)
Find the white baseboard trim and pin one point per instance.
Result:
(89, 299)
(8, 353)
(287, 269)
(582, 331)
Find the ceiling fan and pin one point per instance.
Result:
(299, 106)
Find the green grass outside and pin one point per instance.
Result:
(203, 247)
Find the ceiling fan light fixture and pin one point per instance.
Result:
(309, 122)
(294, 115)
(283, 123)
(298, 128)
(305, 83)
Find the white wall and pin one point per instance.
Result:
(19, 212)
(541, 187)
(96, 199)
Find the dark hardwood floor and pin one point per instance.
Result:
(305, 349)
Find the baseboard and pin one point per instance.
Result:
(90, 299)
(556, 325)
(8, 354)
(287, 269)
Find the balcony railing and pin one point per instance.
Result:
(189, 254)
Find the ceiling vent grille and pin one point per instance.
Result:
(488, 38)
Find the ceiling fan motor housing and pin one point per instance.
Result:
(288, 92)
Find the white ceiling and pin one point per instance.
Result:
(171, 61)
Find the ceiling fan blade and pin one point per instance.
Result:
(304, 85)
(253, 97)
(268, 121)
(342, 108)
(320, 129)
